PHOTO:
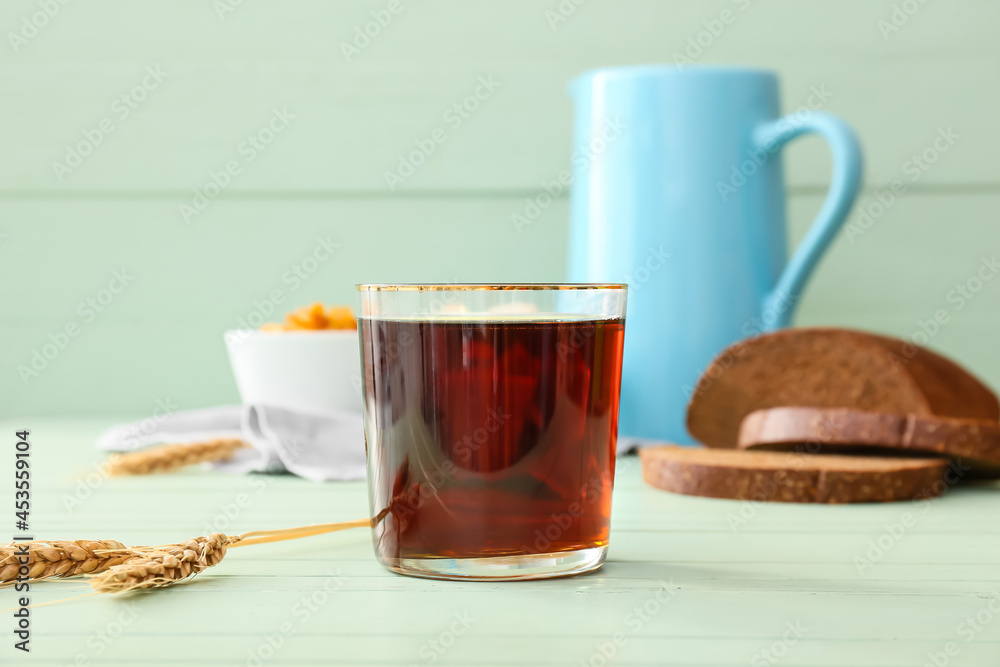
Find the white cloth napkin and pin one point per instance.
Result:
(316, 446)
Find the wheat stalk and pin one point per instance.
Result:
(156, 567)
(60, 558)
(117, 568)
(173, 456)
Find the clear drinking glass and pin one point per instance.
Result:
(491, 418)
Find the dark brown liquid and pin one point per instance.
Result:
(490, 438)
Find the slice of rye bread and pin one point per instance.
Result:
(970, 442)
(789, 477)
(830, 368)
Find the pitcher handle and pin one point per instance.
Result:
(844, 187)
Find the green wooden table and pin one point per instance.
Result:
(689, 581)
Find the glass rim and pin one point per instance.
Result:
(472, 287)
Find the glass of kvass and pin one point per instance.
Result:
(491, 419)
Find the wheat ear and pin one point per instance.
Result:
(163, 566)
(165, 458)
(118, 568)
(156, 567)
(60, 558)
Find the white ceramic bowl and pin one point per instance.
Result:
(312, 371)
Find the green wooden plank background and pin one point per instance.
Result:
(221, 74)
(715, 592)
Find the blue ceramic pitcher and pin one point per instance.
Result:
(678, 190)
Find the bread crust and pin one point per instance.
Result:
(971, 442)
(830, 368)
(789, 477)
